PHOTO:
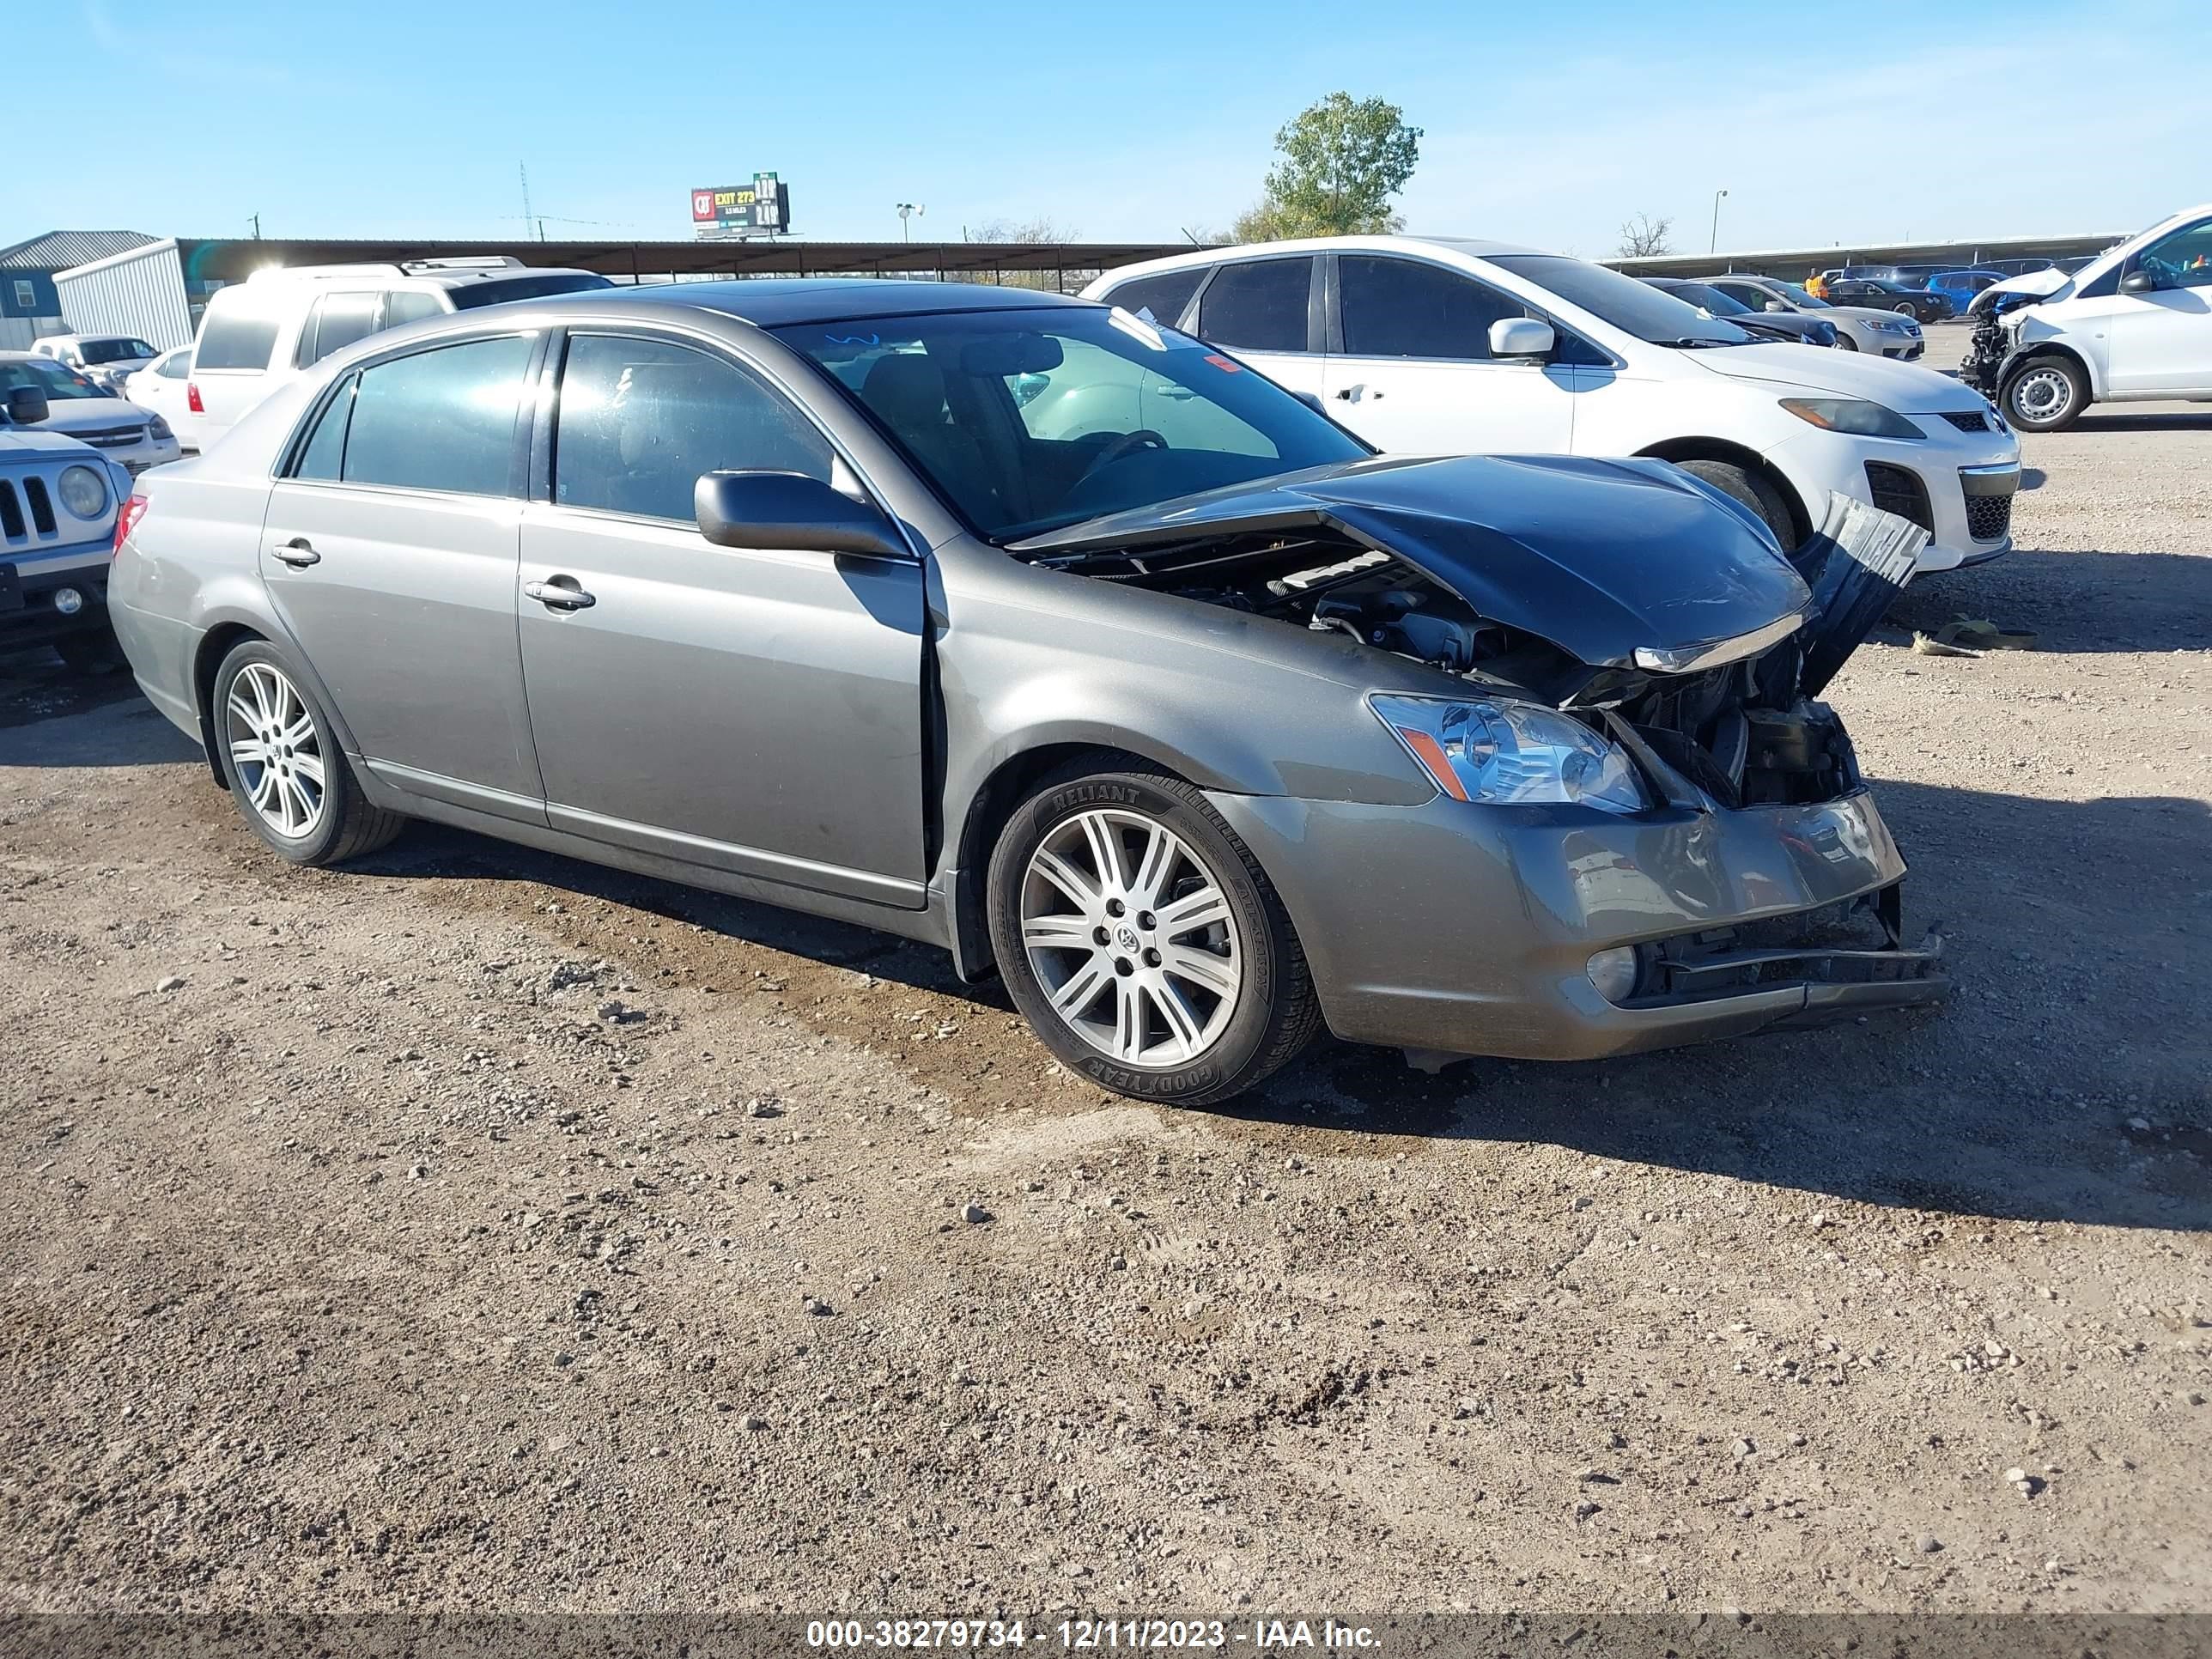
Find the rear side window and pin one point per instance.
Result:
(235, 339)
(640, 420)
(177, 366)
(1163, 296)
(500, 290)
(1403, 308)
(408, 305)
(1258, 306)
(337, 320)
(323, 455)
(440, 420)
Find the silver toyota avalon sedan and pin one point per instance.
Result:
(1024, 627)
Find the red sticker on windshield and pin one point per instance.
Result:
(1220, 362)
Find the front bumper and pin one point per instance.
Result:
(1468, 929)
(1957, 486)
(33, 590)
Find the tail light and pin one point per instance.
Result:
(126, 519)
(192, 398)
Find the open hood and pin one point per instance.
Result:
(1603, 558)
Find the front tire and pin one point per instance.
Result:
(2046, 394)
(285, 770)
(1754, 491)
(1143, 942)
(1846, 341)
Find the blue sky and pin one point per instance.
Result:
(1827, 123)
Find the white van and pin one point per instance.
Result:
(1436, 346)
(2135, 323)
(261, 333)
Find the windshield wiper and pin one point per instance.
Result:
(1692, 343)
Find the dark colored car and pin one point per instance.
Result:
(1925, 305)
(1777, 324)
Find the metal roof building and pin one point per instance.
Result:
(59, 250)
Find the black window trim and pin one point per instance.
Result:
(311, 323)
(1317, 303)
(1185, 321)
(551, 369)
(287, 457)
(1560, 331)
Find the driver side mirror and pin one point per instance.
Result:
(789, 510)
(28, 405)
(1521, 339)
(2139, 281)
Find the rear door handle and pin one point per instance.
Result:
(297, 553)
(560, 593)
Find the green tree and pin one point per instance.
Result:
(1341, 162)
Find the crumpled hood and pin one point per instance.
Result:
(1907, 388)
(1597, 556)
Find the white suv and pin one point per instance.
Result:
(2135, 323)
(263, 332)
(1428, 345)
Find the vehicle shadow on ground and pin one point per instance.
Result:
(72, 722)
(2176, 422)
(2087, 602)
(2015, 1100)
(35, 686)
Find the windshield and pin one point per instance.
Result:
(503, 289)
(114, 351)
(1711, 299)
(1625, 302)
(57, 381)
(1028, 420)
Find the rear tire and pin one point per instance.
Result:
(1845, 342)
(1753, 491)
(1174, 975)
(2045, 394)
(285, 768)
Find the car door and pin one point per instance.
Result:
(1266, 312)
(2161, 336)
(389, 551)
(1413, 374)
(757, 711)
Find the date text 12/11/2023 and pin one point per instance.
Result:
(1082, 1634)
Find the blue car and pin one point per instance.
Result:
(1959, 287)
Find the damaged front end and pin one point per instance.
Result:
(1635, 599)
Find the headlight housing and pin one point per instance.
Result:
(1852, 415)
(159, 430)
(84, 491)
(1498, 752)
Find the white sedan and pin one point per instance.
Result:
(1426, 345)
(165, 385)
(78, 409)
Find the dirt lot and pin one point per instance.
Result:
(360, 1253)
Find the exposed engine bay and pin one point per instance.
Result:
(1747, 733)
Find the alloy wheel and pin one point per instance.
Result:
(276, 749)
(1132, 938)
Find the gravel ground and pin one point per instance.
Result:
(479, 1229)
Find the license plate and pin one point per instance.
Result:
(11, 589)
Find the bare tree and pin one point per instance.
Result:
(1645, 237)
(1041, 231)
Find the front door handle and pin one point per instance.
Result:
(560, 593)
(297, 553)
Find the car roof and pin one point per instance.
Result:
(772, 301)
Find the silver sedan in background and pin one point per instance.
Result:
(1027, 628)
(1859, 328)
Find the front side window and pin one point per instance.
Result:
(1158, 299)
(236, 339)
(1258, 305)
(1707, 298)
(442, 419)
(1404, 309)
(2183, 259)
(640, 420)
(1028, 420)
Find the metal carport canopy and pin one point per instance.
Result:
(231, 261)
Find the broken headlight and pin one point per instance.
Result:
(1498, 752)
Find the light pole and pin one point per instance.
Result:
(906, 211)
(1713, 246)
